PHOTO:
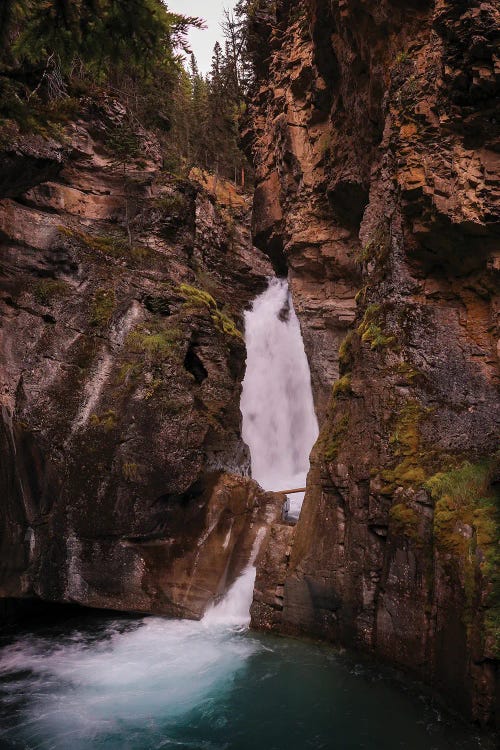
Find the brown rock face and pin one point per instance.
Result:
(375, 138)
(123, 477)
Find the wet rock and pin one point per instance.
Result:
(124, 477)
(374, 131)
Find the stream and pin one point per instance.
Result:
(109, 682)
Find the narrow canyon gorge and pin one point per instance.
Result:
(135, 476)
(375, 138)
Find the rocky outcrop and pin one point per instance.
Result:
(374, 132)
(124, 475)
(272, 568)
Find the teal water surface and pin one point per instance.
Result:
(142, 684)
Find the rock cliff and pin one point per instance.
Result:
(124, 478)
(374, 134)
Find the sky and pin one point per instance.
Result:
(202, 42)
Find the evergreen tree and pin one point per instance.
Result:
(10, 12)
(102, 33)
(131, 48)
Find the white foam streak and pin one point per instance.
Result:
(160, 670)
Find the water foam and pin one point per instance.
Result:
(78, 691)
(279, 422)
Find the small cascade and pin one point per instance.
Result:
(279, 422)
(234, 609)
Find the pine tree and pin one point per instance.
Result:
(10, 12)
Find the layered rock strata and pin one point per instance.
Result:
(374, 133)
(124, 478)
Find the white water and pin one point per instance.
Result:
(82, 690)
(279, 422)
(156, 683)
(99, 692)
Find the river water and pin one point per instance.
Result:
(101, 683)
(104, 682)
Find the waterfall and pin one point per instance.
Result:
(279, 422)
(234, 609)
(156, 683)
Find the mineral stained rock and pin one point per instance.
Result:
(124, 478)
(374, 131)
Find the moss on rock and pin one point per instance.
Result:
(103, 306)
(195, 297)
(154, 341)
(467, 527)
(405, 440)
(371, 329)
(106, 421)
(346, 350)
(46, 290)
(404, 521)
(332, 440)
(342, 386)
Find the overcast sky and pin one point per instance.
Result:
(202, 42)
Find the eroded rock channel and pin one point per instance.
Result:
(125, 477)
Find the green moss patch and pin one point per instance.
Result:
(332, 440)
(467, 527)
(405, 441)
(346, 350)
(405, 370)
(371, 329)
(196, 297)
(110, 245)
(342, 387)
(377, 248)
(103, 306)
(46, 291)
(404, 521)
(464, 496)
(155, 341)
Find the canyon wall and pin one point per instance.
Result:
(124, 478)
(374, 134)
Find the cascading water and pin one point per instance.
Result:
(279, 422)
(102, 690)
(151, 683)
